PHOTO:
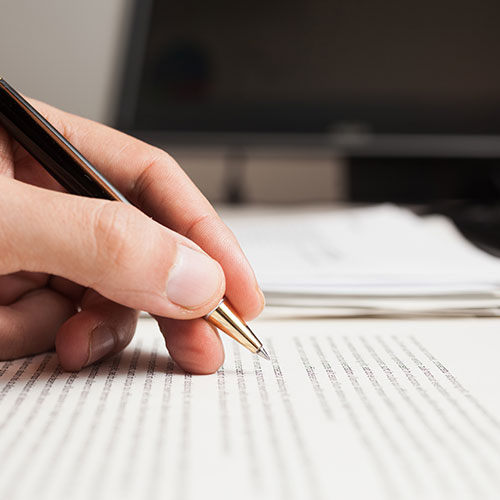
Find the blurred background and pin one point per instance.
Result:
(263, 102)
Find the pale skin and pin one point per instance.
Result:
(74, 271)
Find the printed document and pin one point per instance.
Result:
(346, 409)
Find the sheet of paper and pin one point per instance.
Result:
(351, 255)
(346, 409)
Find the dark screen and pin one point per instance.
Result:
(321, 66)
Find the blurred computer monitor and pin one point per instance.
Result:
(409, 91)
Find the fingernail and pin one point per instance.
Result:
(262, 297)
(102, 343)
(194, 280)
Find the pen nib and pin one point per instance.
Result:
(263, 354)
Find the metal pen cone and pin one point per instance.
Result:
(263, 354)
(225, 318)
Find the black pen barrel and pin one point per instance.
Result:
(49, 147)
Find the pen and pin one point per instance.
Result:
(78, 176)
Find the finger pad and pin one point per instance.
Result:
(194, 345)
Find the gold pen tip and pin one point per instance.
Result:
(263, 354)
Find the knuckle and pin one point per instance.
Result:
(201, 223)
(157, 164)
(113, 234)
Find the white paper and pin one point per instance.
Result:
(355, 258)
(347, 409)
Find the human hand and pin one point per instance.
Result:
(74, 270)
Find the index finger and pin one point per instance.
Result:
(153, 181)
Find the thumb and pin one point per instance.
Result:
(108, 246)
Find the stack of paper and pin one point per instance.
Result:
(376, 260)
